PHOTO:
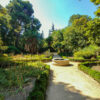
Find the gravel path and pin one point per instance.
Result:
(69, 83)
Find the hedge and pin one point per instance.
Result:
(83, 60)
(86, 67)
(39, 90)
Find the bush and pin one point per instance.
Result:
(41, 83)
(82, 60)
(19, 75)
(86, 67)
(1, 97)
(87, 52)
(48, 54)
(13, 49)
(5, 60)
(98, 57)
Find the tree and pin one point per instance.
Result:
(97, 2)
(73, 37)
(72, 18)
(49, 41)
(31, 42)
(57, 40)
(21, 14)
(93, 31)
(2, 47)
(4, 24)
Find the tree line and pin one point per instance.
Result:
(19, 28)
(81, 32)
(19, 31)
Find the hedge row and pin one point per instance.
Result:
(83, 60)
(86, 67)
(39, 90)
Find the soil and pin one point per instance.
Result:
(97, 68)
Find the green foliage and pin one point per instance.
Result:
(86, 67)
(82, 31)
(48, 43)
(93, 31)
(57, 40)
(13, 49)
(97, 2)
(42, 57)
(2, 48)
(73, 37)
(5, 25)
(87, 52)
(19, 28)
(98, 57)
(1, 97)
(48, 54)
(41, 83)
(5, 61)
(17, 75)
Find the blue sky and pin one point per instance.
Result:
(58, 11)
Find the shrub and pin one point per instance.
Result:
(87, 52)
(48, 54)
(13, 49)
(1, 97)
(5, 60)
(41, 83)
(98, 57)
(86, 67)
(18, 75)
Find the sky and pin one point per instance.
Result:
(58, 12)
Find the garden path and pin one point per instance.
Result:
(69, 83)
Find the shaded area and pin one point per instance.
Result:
(62, 90)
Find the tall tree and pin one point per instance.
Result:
(57, 40)
(93, 31)
(2, 47)
(21, 13)
(32, 37)
(72, 18)
(4, 23)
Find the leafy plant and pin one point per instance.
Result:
(41, 83)
(13, 49)
(87, 52)
(86, 67)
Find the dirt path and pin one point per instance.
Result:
(69, 83)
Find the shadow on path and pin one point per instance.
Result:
(64, 91)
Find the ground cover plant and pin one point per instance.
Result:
(15, 77)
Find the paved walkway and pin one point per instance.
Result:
(69, 83)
